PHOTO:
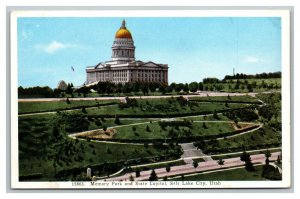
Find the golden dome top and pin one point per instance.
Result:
(123, 33)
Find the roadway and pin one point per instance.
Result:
(200, 94)
(189, 168)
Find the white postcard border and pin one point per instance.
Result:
(286, 120)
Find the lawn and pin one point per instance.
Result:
(156, 132)
(93, 153)
(30, 107)
(244, 98)
(221, 117)
(162, 109)
(238, 174)
(264, 137)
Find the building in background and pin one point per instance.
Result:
(123, 67)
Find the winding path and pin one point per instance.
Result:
(188, 168)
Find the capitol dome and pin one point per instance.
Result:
(123, 33)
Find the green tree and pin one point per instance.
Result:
(267, 155)
(221, 161)
(69, 89)
(117, 120)
(215, 115)
(153, 176)
(193, 86)
(148, 128)
(186, 87)
(83, 110)
(131, 178)
(163, 88)
(226, 104)
(168, 168)
(245, 157)
(145, 89)
(179, 87)
(278, 159)
(200, 86)
(104, 128)
(68, 101)
(137, 173)
(195, 164)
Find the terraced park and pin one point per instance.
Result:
(59, 140)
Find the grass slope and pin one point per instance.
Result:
(29, 107)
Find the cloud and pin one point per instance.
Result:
(53, 46)
(26, 35)
(251, 59)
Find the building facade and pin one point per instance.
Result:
(123, 67)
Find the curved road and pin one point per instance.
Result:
(200, 94)
(188, 168)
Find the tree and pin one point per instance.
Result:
(117, 120)
(193, 86)
(267, 155)
(245, 157)
(127, 88)
(179, 87)
(215, 115)
(84, 90)
(221, 161)
(153, 176)
(131, 178)
(108, 150)
(68, 101)
(136, 87)
(83, 110)
(98, 122)
(137, 173)
(55, 132)
(104, 128)
(148, 128)
(278, 159)
(168, 168)
(200, 87)
(204, 125)
(133, 128)
(145, 89)
(195, 164)
(185, 87)
(226, 104)
(69, 89)
(163, 88)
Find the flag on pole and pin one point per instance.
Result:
(72, 68)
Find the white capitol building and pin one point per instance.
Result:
(123, 67)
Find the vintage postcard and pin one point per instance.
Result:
(162, 99)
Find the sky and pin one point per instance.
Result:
(194, 48)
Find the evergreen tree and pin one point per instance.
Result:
(195, 164)
(153, 176)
